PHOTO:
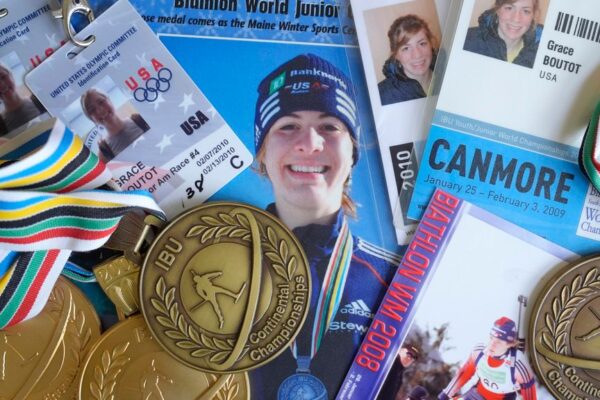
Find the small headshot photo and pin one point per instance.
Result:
(18, 107)
(107, 116)
(507, 30)
(404, 40)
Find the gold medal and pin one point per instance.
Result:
(127, 363)
(565, 331)
(225, 287)
(41, 357)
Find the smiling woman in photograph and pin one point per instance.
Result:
(121, 132)
(307, 137)
(508, 31)
(409, 68)
(17, 110)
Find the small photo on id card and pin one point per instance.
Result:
(100, 108)
(28, 34)
(135, 107)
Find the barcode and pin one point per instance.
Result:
(580, 27)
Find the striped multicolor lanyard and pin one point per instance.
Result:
(40, 227)
(589, 156)
(332, 288)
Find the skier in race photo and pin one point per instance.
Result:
(499, 367)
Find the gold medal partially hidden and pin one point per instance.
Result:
(225, 287)
(127, 363)
(41, 357)
(565, 332)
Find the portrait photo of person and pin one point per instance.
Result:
(409, 68)
(509, 30)
(19, 107)
(307, 135)
(120, 131)
(403, 43)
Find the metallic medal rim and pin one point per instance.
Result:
(125, 324)
(79, 292)
(106, 334)
(291, 378)
(76, 295)
(199, 209)
(552, 279)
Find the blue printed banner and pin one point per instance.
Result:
(549, 195)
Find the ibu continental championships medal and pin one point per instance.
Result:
(41, 357)
(225, 287)
(303, 385)
(565, 331)
(127, 363)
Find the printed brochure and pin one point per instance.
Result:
(505, 135)
(456, 283)
(396, 69)
(301, 50)
(227, 51)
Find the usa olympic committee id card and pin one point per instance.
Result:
(140, 112)
(28, 34)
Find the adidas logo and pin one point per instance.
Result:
(357, 307)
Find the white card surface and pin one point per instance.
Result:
(140, 112)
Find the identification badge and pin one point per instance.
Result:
(140, 112)
(28, 34)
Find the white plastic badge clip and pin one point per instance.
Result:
(70, 7)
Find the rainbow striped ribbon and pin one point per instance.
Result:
(589, 155)
(47, 210)
(332, 288)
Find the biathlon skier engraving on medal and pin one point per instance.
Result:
(208, 291)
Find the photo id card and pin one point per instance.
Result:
(28, 34)
(140, 112)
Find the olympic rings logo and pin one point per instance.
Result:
(154, 86)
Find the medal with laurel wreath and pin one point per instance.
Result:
(225, 287)
(41, 357)
(565, 331)
(127, 363)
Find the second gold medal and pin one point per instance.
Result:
(127, 363)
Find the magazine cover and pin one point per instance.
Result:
(519, 88)
(399, 43)
(284, 76)
(457, 308)
(228, 50)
